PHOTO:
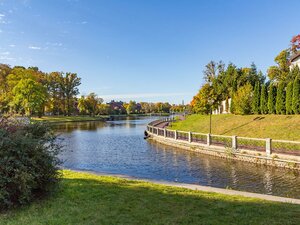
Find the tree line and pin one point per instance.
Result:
(250, 91)
(29, 91)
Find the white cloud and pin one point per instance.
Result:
(5, 57)
(2, 19)
(83, 22)
(55, 44)
(4, 53)
(12, 45)
(35, 47)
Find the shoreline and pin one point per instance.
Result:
(195, 187)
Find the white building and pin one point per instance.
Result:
(295, 60)
(222, 108)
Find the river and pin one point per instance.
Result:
(118, 147)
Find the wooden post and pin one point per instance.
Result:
(190, 137)
(165, 133)
(175, 134)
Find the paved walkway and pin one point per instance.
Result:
(205, 188)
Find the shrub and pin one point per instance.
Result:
(271, 99)
(263, 100)
(289, 98)
(28, 162)
(242, 100)
(280, 99)
(256, 99)
(296, 96)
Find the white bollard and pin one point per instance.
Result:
(208, 139)
(268, 147)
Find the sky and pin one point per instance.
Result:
(144, 50)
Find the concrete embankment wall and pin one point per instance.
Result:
(266, 157)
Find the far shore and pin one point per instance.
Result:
(63, 119)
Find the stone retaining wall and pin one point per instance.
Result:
(291, 162)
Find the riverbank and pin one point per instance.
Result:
(278, 153)
(87, 198)
(282, 127)
(62, 119)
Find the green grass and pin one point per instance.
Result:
(90, 199)
(53, 119)
(282, 127)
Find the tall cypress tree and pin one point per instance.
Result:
(296, 96)
(280, 99)
(263, 100)
(255, 100)
(271, 99)
(289, 98)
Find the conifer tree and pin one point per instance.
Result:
(289, 98)
(271, 99)
(255, 101)
(280, 99)
(263, 100)
(296, 96)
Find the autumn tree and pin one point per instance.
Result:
(30, 96)
(280, 72)
(69, 86)
(242, 100)
(295, 43)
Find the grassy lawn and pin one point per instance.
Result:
(90, 199)
(53, 119)
(282, 127)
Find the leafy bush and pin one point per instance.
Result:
(242, 100)
(28, 161)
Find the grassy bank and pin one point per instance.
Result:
(53, 119)
(261, 126)
(91, 199)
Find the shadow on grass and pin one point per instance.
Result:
(116, 201)
(245, 124)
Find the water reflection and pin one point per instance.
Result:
(118, 147)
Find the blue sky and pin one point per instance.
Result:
(152, 50)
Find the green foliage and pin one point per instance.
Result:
(289, 98)
(280, 99)
(296, 95)
(280, 72)
(29, 95)
(69, 87)
(93, 200)
(200, 102)
(264, 100)
(131, 107)
(272, 99)
(242, 100)
(294, 72)
(224, 83)
(256, 99)
(28, 161)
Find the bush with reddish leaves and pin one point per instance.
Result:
(28, 161)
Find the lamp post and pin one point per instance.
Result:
(211, 102)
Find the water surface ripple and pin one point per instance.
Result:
(118, 147)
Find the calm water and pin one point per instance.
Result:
(119, 147)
